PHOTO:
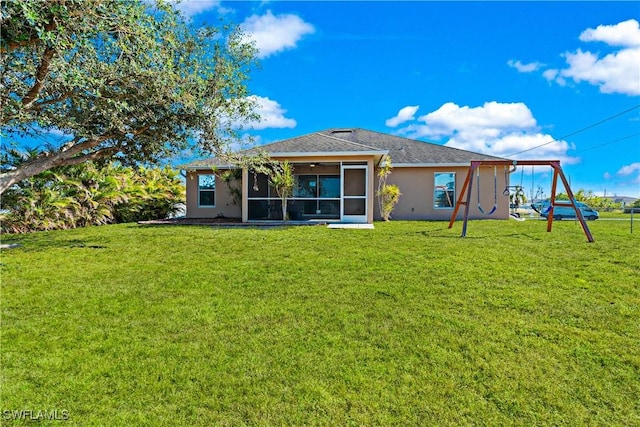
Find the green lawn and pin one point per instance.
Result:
(407, 324)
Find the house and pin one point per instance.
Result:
(624, 201)
(336, 180)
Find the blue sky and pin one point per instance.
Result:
(491, 77)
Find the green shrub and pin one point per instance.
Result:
(86, 194)
(388, 195)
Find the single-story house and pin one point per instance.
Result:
(335, 173)
(624, 201)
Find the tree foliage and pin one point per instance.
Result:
(517, 197)
(281, 178)
(87, 194)
(127, 80)
(388, 195)
(589, 198)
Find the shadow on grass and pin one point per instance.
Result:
(31, 243)
(241, 226)
(456, 235)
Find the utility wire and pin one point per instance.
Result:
(607, 143)
(578, 131)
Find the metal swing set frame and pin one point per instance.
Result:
(465, 194)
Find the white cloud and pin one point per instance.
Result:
(615, 72)
(191, 8)
(404, 115)
(275, 33)
(629, 169)
(630, 174)
(490, 119)
(525, 68)
(272, 115)
(494, 128)
(625, 33)
(505, 145)
(553, 74)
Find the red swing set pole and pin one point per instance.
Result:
(467, 186)
(572, 200)
(557, 172)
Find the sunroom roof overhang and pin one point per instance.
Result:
(204, 166)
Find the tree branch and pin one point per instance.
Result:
(61, 98)
(61, 158)
(51, 25)
(41, 75)
(99, 154)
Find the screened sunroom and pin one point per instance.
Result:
(327, 191)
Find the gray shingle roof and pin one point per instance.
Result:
(408, 151)
(321, 142)
(403, 151)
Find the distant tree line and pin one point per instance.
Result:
(90, 194)
(597, 202)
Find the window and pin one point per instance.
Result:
(306, 186)
(317, 186)
(329, 187)
(315, 196)
(259, 186)
(206, 191)
(444, 190)
(263, 200)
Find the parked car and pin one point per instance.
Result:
(561, 212)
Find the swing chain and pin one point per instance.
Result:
(506, 182)
(495, 191)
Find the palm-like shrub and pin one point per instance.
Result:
(86, 194)
(152, 193)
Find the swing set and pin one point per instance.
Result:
(495, 189)
(465, 194)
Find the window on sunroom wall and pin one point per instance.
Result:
(444, 190)
(207, 191)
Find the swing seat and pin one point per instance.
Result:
(495, 191)
(493, 209)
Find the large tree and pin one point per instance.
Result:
(127, 80)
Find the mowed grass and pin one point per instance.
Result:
(407, 324)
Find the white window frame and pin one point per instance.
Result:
(435, 189)
(200, 190)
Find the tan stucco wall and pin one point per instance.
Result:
(416, 185)
(224, 201)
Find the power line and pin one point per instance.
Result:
(578, 131)
(607, 143)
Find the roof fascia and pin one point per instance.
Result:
(329, 153)
(381, 153)
(205, 167)
(430, 165)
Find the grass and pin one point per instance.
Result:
(620, 215)
(407, 324)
